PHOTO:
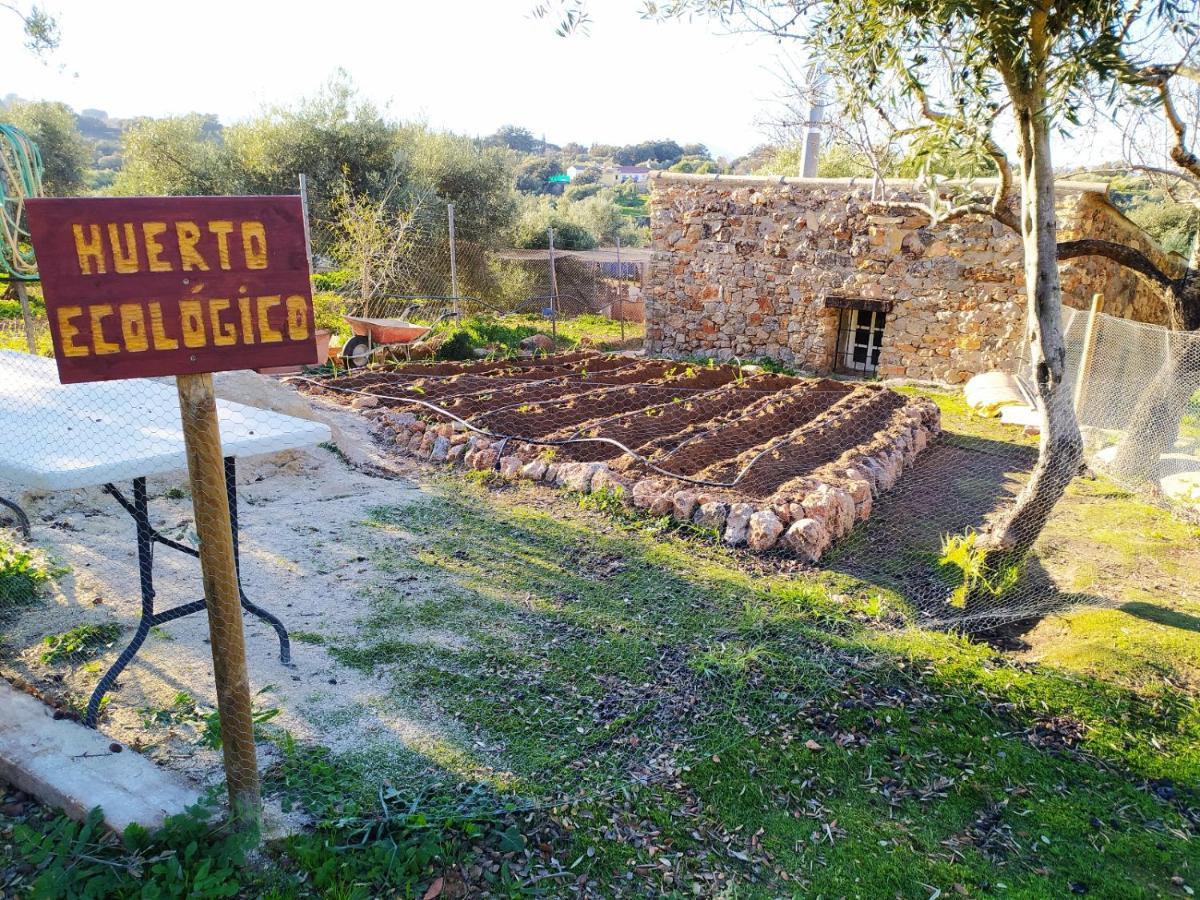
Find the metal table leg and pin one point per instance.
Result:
(22, 519)
(147, 536)
(285, 646)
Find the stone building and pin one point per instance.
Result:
(811, 272)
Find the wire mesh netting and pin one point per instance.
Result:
(1138, 402)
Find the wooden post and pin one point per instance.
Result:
(622, 288)
(210, 503)
(30, 339)
(553, 288)
(453, 261)
(1089, 346)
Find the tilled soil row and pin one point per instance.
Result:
(853, 420)
(587, 403)
(766, 461)
(764, 421)
(642, 430)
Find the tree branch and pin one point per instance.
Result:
(1001, 205)
(1159, 77)
(1129, 257)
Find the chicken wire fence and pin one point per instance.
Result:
(1137, 389)
(430, 265)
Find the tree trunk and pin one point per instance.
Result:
(1012, 535)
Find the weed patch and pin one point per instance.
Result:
(80, 643)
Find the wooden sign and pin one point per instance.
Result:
(144, 286)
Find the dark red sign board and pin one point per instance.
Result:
(144, 286)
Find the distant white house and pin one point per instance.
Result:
(614, 175)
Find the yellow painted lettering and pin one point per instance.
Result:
(150, 233)
(125, 259)
(191, 317)
(99, 313)
(254, 245)
(297, 318)
(245, 307)
(221, 228)
(188, 235)
(133, 327)
(89, 250)
(67, 332)
(266, 333)
(224, 333)
(157, 332)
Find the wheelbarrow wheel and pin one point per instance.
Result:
(357, 352)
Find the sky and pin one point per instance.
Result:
(466, 65)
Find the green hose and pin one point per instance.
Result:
(20, 178)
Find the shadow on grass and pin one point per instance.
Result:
(953, 488)
(1162, 616)
(683, 701)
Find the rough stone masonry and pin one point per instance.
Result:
(743, 268)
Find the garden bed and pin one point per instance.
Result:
(762, 460)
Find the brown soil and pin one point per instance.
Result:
(754, 428)
(707, 423)
(643, 428)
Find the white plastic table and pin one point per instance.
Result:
(57, 437)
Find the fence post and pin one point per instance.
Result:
(1085, 358)
(620, 285)
(453, 261)
(304, 216)
(27, 316)
(553, 288)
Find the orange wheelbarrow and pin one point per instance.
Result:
(373, 334)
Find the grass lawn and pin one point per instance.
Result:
(645, 714)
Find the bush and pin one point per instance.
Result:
(328, 309)
(338, 280)
(459, 346)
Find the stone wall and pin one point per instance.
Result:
(742, 268)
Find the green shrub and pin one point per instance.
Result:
(328, 309)
(338, 280)
(459, 346)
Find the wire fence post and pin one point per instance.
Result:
(1089, 346)
(553, 287)
(27, 316)
(218, 567)
(304, 214)
(620, 286)
(453, 261)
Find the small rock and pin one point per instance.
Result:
(510, 467)
(711, 515)
(534, 470)
(580, 477)
(807, 538)
(484, 460)
(765, 529)
(684, 505)
(542, 342)
(737, 524)
(441, 450)
(364, 401)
